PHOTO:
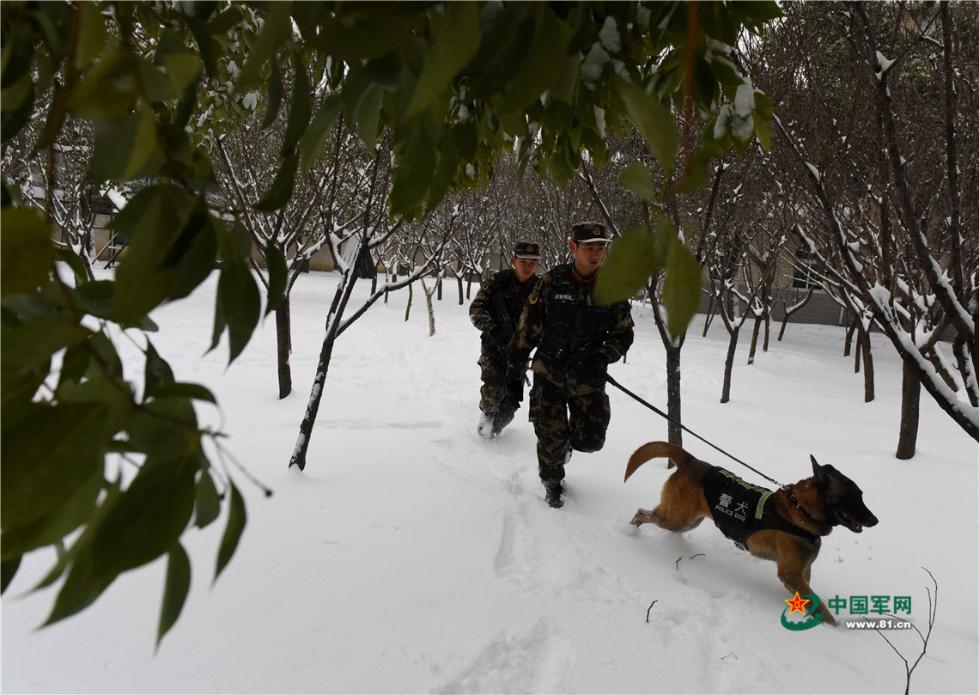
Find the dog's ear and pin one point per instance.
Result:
(817, 470)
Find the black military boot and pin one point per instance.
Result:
(504, 416)
(553, 491)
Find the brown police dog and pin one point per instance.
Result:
(800, 513)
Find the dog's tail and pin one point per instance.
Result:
(652, 450)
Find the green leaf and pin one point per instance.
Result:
(754, 13)
(13, 120)
(207, 503)
(181, 66)
(17, 94)
(56, 525)
(175, 590)
(238, 305)
(358, 38)
(638, 179)
(48, 454)
(79, 547)
(148, 518)
(276, 30)
(414, 167)
(127, 148)
(80, 589)
(566, 82)
(367, 115)
(762, 118)
(8, 568)
(278, 276)
(537, 71)
(314, 139)
(26, 251)
(300, 108)
(183, 389)
(682, 287)
(95, 297)
(157, 372)
(280, 191)
(631, 260)
(156, 225)
(455, 39)
(232, 532)
(33, 340)
(165, 428)
(109, 89)
(654, 122)
(447, 166)
(275, 95)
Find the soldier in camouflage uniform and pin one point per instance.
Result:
(494, 312)
(575, 340)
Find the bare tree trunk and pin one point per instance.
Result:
(849, 339)
(910, 401)
(868, 366)
(673, 349)
(781, 331)
(754, 340)
(788, 313)
(673, 395)
(958, 349)
(729, 365)
(709, 317)
(323, 365)
(283, 342)
(462, 298)
(438, 288)
(932, 355)
(411, 292)
(428, 306)
(764, 345)
(469, 287)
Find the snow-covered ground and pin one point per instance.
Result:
(412, 556)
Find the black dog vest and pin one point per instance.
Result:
(740, 509)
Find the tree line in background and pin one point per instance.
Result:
(420, 141)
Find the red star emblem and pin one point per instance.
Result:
(797, 604)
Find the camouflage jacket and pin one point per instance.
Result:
(575, 339)
(497, 307)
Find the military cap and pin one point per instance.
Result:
(528, 250)
(589, 233)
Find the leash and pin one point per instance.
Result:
(659, 412)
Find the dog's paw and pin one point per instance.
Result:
(641, 517)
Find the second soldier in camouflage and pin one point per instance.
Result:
(494, 312)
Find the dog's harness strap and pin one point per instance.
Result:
(659, 412)
(760, 508)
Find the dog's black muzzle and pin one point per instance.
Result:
(855, 521)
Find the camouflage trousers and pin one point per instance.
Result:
(566, 419)
(493, 399)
